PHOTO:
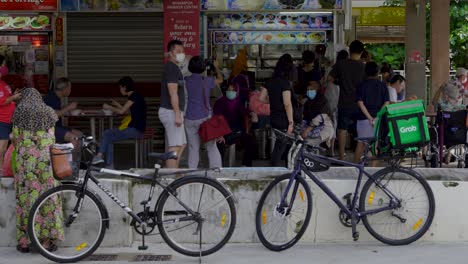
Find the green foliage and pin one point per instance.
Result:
(458, 29)
(459, 33)
(392, 53)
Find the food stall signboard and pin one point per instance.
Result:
(28, 5)
(27, 23)
(266, 21)
(111, 5)
(271, 4)
(277, 37)
(182, 22)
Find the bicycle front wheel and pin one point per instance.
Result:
(71, 233)
(281, 223)
(414, 202)
(208, 227)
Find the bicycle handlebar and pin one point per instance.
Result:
(297, 139)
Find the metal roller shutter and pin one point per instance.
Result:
(103, 47)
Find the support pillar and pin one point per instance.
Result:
(415, 43)
(440, 46)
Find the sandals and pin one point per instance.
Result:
(52, 247)
(23, 249)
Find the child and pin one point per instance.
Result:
(371, 95)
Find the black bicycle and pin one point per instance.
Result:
(195, 215)
(396, 204)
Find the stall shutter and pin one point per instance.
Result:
(103, 47)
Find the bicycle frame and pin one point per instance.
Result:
(154, 181)
(300, 167)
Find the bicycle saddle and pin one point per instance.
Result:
(163, 156)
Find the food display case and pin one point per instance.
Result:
(25, 41)
(266, 36)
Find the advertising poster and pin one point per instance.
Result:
(182, 22)
(33, 23)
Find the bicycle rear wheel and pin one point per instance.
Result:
(209, 200)
(280, 226)
(78, 228)
(412, 217)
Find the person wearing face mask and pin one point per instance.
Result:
(462, 84)
(318, 118)
(171, 111)
(371, 95)
(7, 108)
(235, 113)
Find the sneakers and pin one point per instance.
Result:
(97, 160)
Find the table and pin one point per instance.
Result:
(93, 115)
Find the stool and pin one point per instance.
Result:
(143, 145)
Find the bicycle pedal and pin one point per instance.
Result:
(356, 236)
(142, 247)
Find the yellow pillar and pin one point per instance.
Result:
(440, 46)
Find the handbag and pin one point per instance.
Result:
(125, 122)
(258, 107)
(215, 127)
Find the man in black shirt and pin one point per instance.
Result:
(173, 102)
(347, 74)
(61, 90)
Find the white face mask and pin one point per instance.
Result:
(180, 57)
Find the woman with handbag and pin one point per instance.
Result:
(198, 111)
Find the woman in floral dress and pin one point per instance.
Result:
(33, 134)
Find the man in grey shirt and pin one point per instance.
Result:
(173, 102)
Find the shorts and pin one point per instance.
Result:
(5, 130)
(345, 118)
(60, 132)
(364, 129)
(175, 136)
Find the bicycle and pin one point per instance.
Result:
(195, 215)
(396, 205)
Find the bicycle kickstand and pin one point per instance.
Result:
(143, 246)
(354, 226)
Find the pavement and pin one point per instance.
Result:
(323, 253)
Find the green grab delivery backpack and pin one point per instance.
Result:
(401, 127)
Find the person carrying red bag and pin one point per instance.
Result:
(7, 107)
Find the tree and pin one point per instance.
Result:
(458, 29)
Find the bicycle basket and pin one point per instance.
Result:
(65, 162)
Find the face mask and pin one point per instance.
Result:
(3, 70)
(231, 95)
(180, 57)
(311, 94)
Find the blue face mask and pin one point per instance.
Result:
(311, 94)
(231, 95)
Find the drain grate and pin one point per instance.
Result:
(102, 257)
(143, 258)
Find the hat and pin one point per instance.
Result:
(451, 91)
(460, 71)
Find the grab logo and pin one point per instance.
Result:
(404, 130)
